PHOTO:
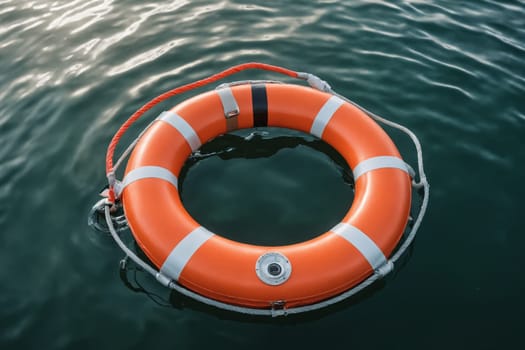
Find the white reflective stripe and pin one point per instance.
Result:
(147, 172)
(183, 127)
(229, 104)
(361, 242)
(379, 163)
(182, 253)
(325, 114)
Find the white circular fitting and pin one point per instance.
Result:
(273, 268)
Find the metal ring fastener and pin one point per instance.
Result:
(97, 221)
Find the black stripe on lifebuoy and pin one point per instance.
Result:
(260, 105)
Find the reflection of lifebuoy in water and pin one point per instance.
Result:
(259, 276)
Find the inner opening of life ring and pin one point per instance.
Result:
(267, 186)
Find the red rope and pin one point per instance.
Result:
(181, 89)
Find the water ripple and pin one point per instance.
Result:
(444, 85)
(81, 14)
(395, 57)
(154, 79)
(145, 57)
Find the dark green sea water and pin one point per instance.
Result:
(453, 71)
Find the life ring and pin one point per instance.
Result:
(260, 276)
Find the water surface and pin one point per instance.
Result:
(73, 71)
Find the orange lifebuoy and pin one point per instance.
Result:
(259, 276)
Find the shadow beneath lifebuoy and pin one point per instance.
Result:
(263, 143)
(181, 302)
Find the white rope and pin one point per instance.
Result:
(121, 244)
